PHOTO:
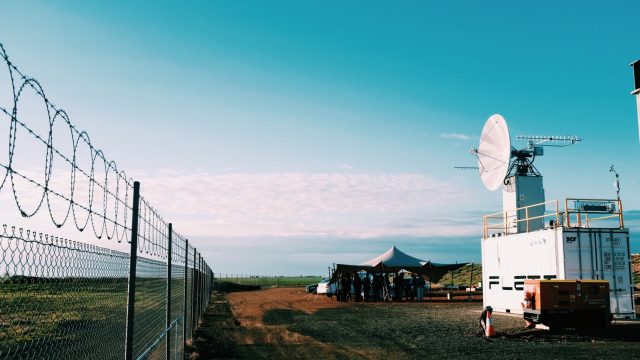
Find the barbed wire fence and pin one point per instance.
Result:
(66, 299)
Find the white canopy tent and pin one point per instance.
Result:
(394, 260)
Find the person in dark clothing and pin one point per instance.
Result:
(377, 286)
(407, 288)
(386, 295)
(348, 289)
(366, 287)
(414, 286)
(345, 287)
(357, 287)
(398, 282)
(420, 283)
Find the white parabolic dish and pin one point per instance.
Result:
(494, 152)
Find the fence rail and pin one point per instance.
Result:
(132, 288)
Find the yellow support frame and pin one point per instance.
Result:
(501, 220)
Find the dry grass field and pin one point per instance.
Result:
(284, 323)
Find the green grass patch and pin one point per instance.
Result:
(269, 281)
(470, 274)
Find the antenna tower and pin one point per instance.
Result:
(503, 166)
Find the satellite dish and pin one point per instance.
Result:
(497, 159)
(494, 152)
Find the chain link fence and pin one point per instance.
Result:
(133, 287)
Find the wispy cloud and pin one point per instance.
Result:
(456, 136)
(302, 204)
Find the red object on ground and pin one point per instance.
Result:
(490, 330)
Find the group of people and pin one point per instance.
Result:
(377, 287)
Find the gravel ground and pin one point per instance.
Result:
(285, 323)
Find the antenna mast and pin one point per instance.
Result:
(636, 91)
(617, 183)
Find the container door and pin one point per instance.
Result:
(616, 269)
(581, 255)
(602, 254)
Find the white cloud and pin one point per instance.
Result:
(301, 204)
(456, 136)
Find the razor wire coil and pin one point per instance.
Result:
(62, 298)
(96, 208)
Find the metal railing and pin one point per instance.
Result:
(132, 288)
(576, 213)
(585, 211)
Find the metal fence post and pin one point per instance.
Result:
(186, 281)
(199, 310)
(201, 289)
(204, 287)
(133, 259)
(193, 293)
(203, 294)
(168, 323)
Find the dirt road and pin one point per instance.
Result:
(286, 324)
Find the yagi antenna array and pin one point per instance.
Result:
(558, 141)
(497, 158)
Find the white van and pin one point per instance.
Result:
(324, 287)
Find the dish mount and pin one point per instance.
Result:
(503, 166)
(498, 160)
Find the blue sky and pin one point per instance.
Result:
(284, 136)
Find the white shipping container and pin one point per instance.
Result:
(563, 253)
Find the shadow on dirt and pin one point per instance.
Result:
(283, 316)
(215, 338)
(627, 332)
(227, 287)
(446, 330)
